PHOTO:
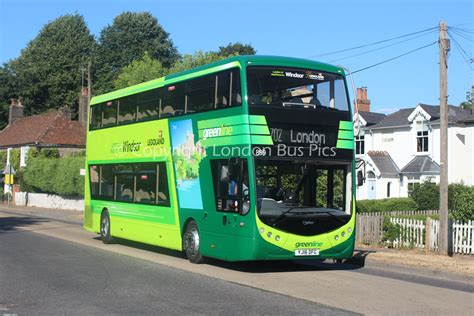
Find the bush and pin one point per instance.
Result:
(386, 205)
(426, 196)
(390, 231)
(460, 199)
(55, 175)
(461, 202)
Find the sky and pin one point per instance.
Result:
(293, 28)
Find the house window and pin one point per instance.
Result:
(421, 136)
(388, 189)
(360, 143)
(412, 185)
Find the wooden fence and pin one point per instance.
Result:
(415, 233)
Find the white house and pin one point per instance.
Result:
(403, 148)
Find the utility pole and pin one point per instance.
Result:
(89, 84)
(444, 47)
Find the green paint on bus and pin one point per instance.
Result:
(232, 167)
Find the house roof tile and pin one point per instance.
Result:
(384, 163)
(48, 129)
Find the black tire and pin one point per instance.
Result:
(191, 243)
(105, 228)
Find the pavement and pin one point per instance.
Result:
(362, 285)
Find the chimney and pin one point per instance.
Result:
(15, 111)
(362, 102)
(65, 111)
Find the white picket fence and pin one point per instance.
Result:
(413, 234)
(462, 234)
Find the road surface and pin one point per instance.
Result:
(54, 266)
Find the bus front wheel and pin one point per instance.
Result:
(105, 228)
(191, 243)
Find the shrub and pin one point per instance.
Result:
(460, 199)
(426, 196)
(390, 231)
(386, 205)
(461, 202)
(55, 175)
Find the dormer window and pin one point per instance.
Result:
(360, 143)
(422, 136)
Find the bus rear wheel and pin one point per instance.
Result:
(191, 243)
(105, 228)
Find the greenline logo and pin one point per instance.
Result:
(308, 244)
(217, 131)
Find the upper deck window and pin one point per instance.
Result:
(296, 87)
(205, 93)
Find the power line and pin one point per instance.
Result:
(379, 48)
(466, 37)
(459, 45)
(463, 30)
(393, 58)
(463, 53)
(374, 43)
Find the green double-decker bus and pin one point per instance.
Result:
(248, 158)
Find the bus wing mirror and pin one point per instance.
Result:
(360, 178)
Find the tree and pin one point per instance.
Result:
(7, 91)
(468, 103)
(139, 71)
(48, 71)
(127, 39)
(237, 48)
(199, 58)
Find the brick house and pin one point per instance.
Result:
(53, 129)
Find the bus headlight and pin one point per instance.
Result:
(336, 237)
(343, 234)
(349, 230)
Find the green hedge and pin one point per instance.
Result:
(386, 205)
(54, 175)
(460, 199)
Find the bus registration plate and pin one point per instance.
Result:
(306, 252)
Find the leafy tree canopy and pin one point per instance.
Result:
(197, 59)
(7, 91)
(236, 48)
(130, 36)
(139, 71)
(468, 103)
(47, 73)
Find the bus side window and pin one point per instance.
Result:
(109, 114)
(127, 110)
(148, 105)
(145, 179)
(162, 186)
(200, 93)
(106, 188)
(223, 90)
(172, 103)
(94, 174)
(96, 117)
(125, 184)
(235, 93)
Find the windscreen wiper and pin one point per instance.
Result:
(282, 215)
(334, 216)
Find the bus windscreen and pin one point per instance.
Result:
(296, 87)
